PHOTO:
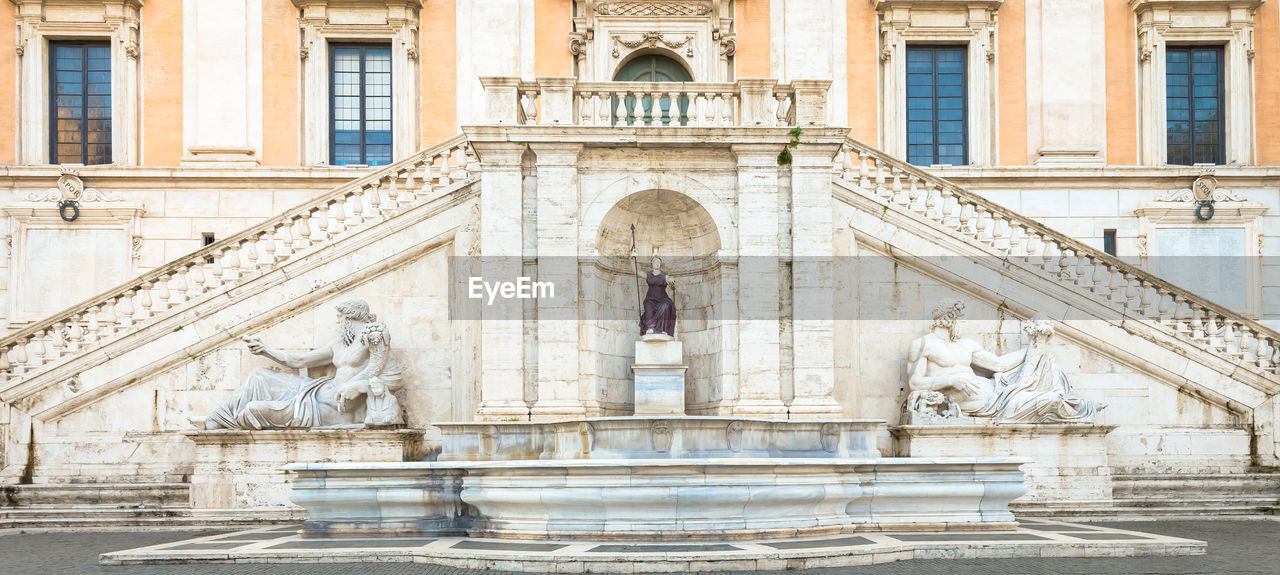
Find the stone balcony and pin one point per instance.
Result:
(564, 101)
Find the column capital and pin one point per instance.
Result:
(814, 154)
(556, 153)
(756, 155)
(499, 155)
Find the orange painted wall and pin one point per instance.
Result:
(1122, 89)
(439, 68)
(161, 78)
(1266, 73)
(281, 74)
(8, 86)
(1012, 87)
(863, 63)
(751, 56)
(551, 27)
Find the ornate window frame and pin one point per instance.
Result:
(95, 209)
(1179, 209)
(972, 23)
(41, 21)
(392, 22)
(697, 33)
(1227, 23)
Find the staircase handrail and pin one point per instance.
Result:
(1134, 292)
(215, 267)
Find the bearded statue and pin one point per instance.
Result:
(946, 373)
(361, 391)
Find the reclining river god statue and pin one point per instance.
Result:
(1026, 386)
(361, 391)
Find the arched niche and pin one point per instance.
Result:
(688, 241)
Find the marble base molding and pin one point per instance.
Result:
(1069, 461)
(245, 471)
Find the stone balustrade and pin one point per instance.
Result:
(234, 260)
(749, 102)
(1132, 292)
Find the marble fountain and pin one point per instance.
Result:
(657, 475)
(656, 478)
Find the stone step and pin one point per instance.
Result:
(1168, 495)
(1234, 510)
(174, 522)
(1196, 485)
(1198, 502)
(95, 494)
(89, 512)
(77, 516)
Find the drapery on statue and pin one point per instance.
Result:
(1027, 386)
(659, 315)
(362, 390)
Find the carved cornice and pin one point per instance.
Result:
(34, 9)
(1144, 5)
(653, 9)
(304, 4)
(881, 5)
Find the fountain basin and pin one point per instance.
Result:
(648, 499)
(659, 438)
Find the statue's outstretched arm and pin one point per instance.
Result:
(318, 357)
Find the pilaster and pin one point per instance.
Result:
(1066, 88)
(813, 307)
(558, 321)
(222, 82)
(501, 326)
(759, 262)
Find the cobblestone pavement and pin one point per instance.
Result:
(1235, 548)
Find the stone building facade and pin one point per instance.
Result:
(238, 165)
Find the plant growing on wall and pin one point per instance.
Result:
(784, 157)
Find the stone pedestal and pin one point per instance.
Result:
(1069, 460)
(240, 472)
(659, 375)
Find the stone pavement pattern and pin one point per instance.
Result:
(1235, 548)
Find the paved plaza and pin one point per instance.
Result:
(1235, 548)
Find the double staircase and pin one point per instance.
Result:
(1227, 359)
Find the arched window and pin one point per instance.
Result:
(651, 68)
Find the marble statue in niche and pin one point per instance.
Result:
(361, 391)
(1026, 386)
(659, 314)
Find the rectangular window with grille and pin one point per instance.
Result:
(359, 105)
(1193, 104)
(937, 108)
(80, 103)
